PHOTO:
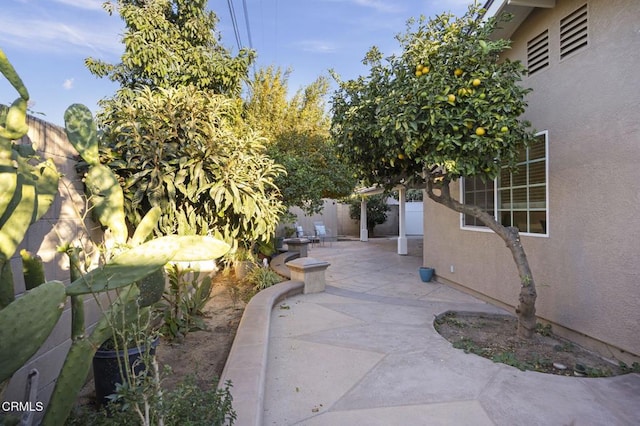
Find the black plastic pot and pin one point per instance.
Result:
(106, 369)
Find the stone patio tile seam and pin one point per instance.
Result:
(355, 384)
(346, 345)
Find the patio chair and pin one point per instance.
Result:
(322, 233)
(301, 234)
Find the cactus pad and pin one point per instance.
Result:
(10, 73)
(107, 198)
(23, 332)
(15, 224)
(82, 132)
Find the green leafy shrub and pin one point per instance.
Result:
(186, 405)
(184, 301)
(261, 278)
(189, 153)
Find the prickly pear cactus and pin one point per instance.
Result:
(26, 191)
(10, 74)
(22, 332)
(32, 269)
(82, 132)
(102, 184)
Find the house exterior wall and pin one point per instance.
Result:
(586, 269)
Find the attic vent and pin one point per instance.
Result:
(538, 52)
(573, 32)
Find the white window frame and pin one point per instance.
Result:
(495, 198)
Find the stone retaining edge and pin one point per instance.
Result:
(246, 364)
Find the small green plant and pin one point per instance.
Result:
(468, 345)
(544, 329)
(510, 358)
(598, 372)
(186, 405)
(261, 278)
(185, 299)
(450, 319)
(540, 363)
(635, 367)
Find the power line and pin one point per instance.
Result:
(234, 22)
(246, 20)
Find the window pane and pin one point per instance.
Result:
(520, 221)
(537, 148)
(538, 222)
(537, 197)
(537, 173)
(505, 218)
(519, 201)
(505, 178)
(470, 198)
(519, 177)
(505, 198)
(469, 184)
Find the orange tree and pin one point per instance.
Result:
(446, 107)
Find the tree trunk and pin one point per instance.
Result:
(526, 309)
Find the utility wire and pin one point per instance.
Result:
(234, 22)
(246, 20)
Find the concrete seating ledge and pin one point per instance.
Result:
(278, 263)
(246, 365)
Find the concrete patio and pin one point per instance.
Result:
(365, 352)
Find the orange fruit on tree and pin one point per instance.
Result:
(418, 73)
(451, 98)
(480, 131)
(476, 82)
(504, 129)
(401, 156)
(457, 72)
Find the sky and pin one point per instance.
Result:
(47, 41)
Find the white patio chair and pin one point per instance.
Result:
(322, 233)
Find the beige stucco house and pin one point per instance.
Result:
(577, 198)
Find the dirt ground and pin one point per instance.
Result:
(494, 337)
(203, 353)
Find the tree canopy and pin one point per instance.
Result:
(299, 139)
(170, 43)
(448, 106)
(174, 133)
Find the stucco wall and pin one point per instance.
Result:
(586, 270)
(328, 216)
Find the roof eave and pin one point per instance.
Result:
(519, 9)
